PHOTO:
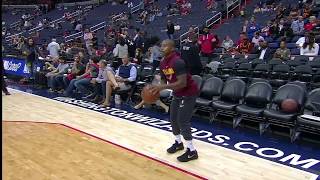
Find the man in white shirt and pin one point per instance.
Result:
(53, 48)
(257, 38)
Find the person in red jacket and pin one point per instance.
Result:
(207, 42)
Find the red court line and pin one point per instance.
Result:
(117, 145)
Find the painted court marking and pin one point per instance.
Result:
(314, 176)
(114, 144)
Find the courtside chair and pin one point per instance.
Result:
(233, 91)
(280, 75)
(243, 72)
(274, 115)
(257, 97)
(211, 89)
(309, 124)
(302, 73)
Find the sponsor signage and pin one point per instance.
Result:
(16, 66)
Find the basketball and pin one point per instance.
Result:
(289, 106)
(147, 95)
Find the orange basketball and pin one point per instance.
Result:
(147, 95)
(289, 106)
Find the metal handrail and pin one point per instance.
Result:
(102, 25)
(116, 17)
(208, 24)
(136, 8)
(234, 2)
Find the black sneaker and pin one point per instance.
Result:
(175, 147)
(188, 156)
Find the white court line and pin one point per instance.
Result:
(313, 176)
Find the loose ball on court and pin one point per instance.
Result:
(149, 97)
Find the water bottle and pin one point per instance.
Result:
(117, 99)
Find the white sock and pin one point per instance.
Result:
(190, 145)
(178, 138)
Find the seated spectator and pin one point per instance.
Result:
(54, 76)
(245, 26)
(309, 47)
(98, 83)
(256, 38)
(283, 52)
(312, 24)
(286, 32)
(185, 8)
(227, 44)
(81, 82)
(244, 47)
(301, 40)
(138, 56)
(125, 75)
(252, 28)
(264, 52)
(297, 26)
(77, 69)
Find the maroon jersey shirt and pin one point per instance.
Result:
(173, 66)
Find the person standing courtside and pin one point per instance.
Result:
(185, 91)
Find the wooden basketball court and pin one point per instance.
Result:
(77, 143)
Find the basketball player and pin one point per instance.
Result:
(185, 91)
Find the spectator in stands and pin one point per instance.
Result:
(138, 39)
(120, 52)
(309, 47)
(53, 48)
(244, 47)
(227, 44)
(256, 39)
(297, 26)
(138, 56)
(77, 69)
(170, 29)
(264, 52)
(283, 52)
(78, 26)
(245, 26)
(301, 40)
(98, 83)
(125, 75)
(83, 80)
(190, 54)
(56, 75)
(191, 34)
(155, 53)
(286, 32)
(252, 28)
(207, 42)
(87, 37)
(312, 24)
(30, 51)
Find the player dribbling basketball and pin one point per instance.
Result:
(185, 91)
